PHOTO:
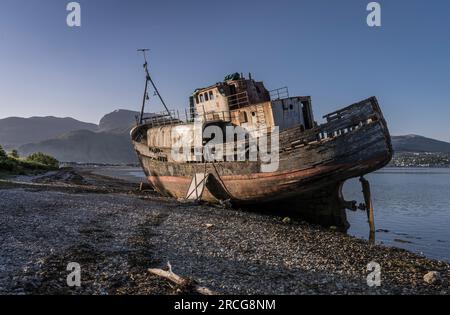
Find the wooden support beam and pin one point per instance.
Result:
(145, 186)
(369, 207)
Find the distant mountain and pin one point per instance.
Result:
(109, 142)
(70, 140)
(85, 146)
(15, 131)
(119, 121)
(415, 143)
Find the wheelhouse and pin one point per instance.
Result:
(247, 103)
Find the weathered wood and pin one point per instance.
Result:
(308, 160)
(369, 207)
(344, 111)
(145, 186)
(171, 276)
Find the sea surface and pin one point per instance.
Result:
(411, 206)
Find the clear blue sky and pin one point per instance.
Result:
(321, 48)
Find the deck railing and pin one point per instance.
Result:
(280, 93)
(175, 117)
(171, 117)
(238, 100)
(338, 123)
(214, 116)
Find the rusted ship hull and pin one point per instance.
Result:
(355, 141)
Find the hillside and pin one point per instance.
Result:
(16, 131)
(85, 146)
(415, 143)
(119, 121)
(70, 140)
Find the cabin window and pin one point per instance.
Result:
(201, 98)
(211, 95)
(206, 96)
(243, 118)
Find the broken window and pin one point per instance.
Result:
(211, 95)
(206, 96)
(196, 99)
(243, 118)
(201, 98)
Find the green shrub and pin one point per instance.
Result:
(2, 152)
(4, 161)
(44, 159)
(36, 162)
(7, 165)
(14, 154)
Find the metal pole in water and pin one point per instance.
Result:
(369, 207)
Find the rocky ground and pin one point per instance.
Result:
(116, 233)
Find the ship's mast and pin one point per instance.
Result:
(149, 79)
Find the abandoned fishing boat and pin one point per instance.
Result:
(313, 160)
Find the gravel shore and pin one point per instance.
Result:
(116, 233)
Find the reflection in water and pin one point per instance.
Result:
(411, 208)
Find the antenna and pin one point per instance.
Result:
(143, 50)
(149, 79)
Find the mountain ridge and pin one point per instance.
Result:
(109, 141)
(416, 143)
(84, 146)
(17, 131)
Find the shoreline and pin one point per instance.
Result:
(116, 233)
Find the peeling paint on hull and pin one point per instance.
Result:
(309, 162)
(265, 187)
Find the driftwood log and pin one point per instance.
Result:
(184, 282)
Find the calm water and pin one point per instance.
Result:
(131, 174)
(412, 208)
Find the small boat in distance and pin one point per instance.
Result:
(313, 160)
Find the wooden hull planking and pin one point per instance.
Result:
(354, 141)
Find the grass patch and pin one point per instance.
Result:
(38, 162)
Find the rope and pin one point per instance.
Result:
(221, 181)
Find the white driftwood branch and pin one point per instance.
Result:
(171, 276)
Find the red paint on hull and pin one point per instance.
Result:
(260, 187)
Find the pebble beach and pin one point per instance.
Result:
(116, 233)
